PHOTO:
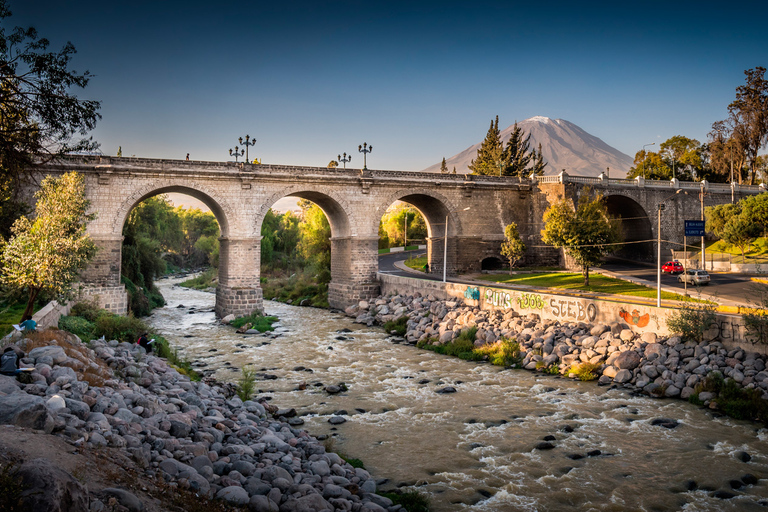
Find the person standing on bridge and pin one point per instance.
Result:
(187, 157)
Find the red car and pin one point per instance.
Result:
(672, 267)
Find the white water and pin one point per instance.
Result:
(478, 442)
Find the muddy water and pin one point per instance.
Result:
(474, 449)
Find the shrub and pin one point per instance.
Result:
(246, 385)
(399, 326)
(412, 501)
(89, 310)
(207, 279)
(733, 400)
(121, 328)
(78, 325)
(258, 321)
(692, 321)
(504, 352)
(585, 371)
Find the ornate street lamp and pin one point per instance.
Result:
(248, 142)
(236, 153)
(365, 149)
(345, 159)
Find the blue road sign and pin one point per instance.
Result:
(694, 228)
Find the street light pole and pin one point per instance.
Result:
(645, 146)
(237, 153)
(345, 159)
(445, 246)
(365, 149)
(658, 249)
(248, 142)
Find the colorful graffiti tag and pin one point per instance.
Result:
(472, 292)
(574, 309)
(530, 301)
(635, 318)
(498, 298)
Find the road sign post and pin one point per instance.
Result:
(696, 228)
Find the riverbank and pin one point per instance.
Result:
(658, 366)
(181, 440)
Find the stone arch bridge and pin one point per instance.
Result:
(473, 210)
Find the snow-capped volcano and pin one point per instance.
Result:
(564, 146)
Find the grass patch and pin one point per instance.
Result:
(10, 315)
(355, 463)
(206, 280)
(256, 320)
(758, 251)
(412, 501)
(416, 263)
(504, 352)
(575, 281)
(298, 287)
(398, 326)
(462, 347)
(585, 371)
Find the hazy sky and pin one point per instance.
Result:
(417, 80)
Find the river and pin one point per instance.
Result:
(473, 450)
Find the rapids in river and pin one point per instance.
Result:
(475, 450)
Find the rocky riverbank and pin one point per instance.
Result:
(197, 437)
(653, 365)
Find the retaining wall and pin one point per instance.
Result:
(729, 329)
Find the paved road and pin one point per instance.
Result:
(732, 287)
(387, 262)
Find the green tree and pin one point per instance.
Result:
(651, 166)
(517, 154)
(749, 116)
(490, 152)
(443, 167)
(538, 163)
(315, 244)
(685, 156)
(512, 247)
(586, 233)
(741, 232)
(46, 255)
(40, 117)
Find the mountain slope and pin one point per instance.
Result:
(564, 146)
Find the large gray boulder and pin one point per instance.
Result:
(25, 410)
(55, 352)
(124, 498)
(628, 360)
(49, 488)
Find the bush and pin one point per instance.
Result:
(504, 352)
(399, 326)
(412, 501)
(207, 279)
(733, 400)
(585, 371)
(692, 321)
(246, 385)
(78, 325)
(121, 328)
(89, 310)
(257, 321)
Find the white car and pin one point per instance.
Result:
(694, 276)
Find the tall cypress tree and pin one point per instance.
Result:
(443, 167)
(517, 154)
(490, 153)
(538, 163)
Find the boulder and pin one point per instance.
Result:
(123, 497)
(628, 360)
(55, 352)
(234, 495)
(25, 410)
(49, 488)
(623, 376)
(311, 501)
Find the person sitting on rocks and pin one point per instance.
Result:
(9, 361)
(28, 325)
(144, 342)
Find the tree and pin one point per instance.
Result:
(512, 247)
(443, 167)
(586, 233)
(333, 164)
(651, 166)
(489, 153)
(749, 114)
(684, 155)
(741, 232)
(517, 153)
(315, 243)
(45, 255)
(40, 116)
(538, 163)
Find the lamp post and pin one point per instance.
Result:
(661, 207)
(365, 149)
(445, 245)
(645, 146)
(248, 142)
(237, 153)
(345, 159)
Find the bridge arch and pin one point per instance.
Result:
(636, 226)
(435, 208)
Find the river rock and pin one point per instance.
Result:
(124, 498)
(49, 488)
(25, 410)
(622, 376)
(234, 495)
(54, 352)
(628, 360)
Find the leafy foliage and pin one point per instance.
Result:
(514, 159)
(246, 384)
(396, 221)
(505, 352)
(749, 116)
(259, 322)
(512, 247)
(741, 223)
(41, 117)
(585, 371)
(412, 501)
(398, 326)
(692, 321)
(586, 233)
(45, 255)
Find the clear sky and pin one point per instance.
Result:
(417, 80)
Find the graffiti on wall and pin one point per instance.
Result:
(530, 301)
(635, 318)
(472, 292)
(574, 309)
(498, 298)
